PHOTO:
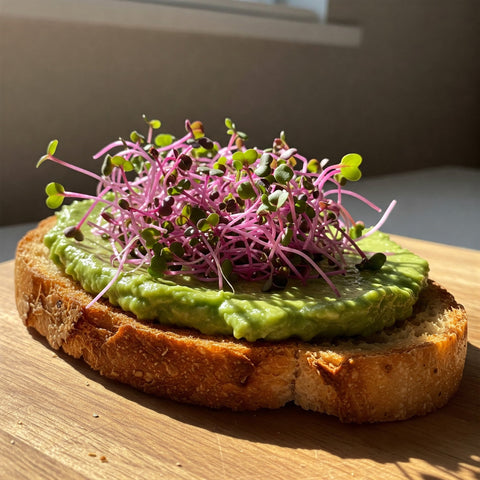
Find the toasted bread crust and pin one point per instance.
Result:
(408, 370)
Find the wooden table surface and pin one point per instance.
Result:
(59, 419)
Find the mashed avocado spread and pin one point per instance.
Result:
(369, 301)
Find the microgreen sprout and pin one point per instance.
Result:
(190, 206)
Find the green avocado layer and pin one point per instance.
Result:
(369, 301)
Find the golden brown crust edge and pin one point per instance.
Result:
(400, 373)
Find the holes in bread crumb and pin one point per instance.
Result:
(388, 367)
(435, 370)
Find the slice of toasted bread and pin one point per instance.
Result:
(409, 369)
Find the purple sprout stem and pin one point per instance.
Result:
(74, 167)
(92, 206)
(126, 252)
(382, 220)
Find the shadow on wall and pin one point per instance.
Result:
(405, 98)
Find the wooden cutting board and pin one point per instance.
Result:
(59, 419)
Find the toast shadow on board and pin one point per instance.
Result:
(292, 427)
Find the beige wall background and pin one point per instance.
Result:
(406, 98)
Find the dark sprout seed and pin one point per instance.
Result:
(194, 241)
(231, 206)
(164, 210)
(172, 178)
(189, 231)
(108, 217)
(214, 195)
(168, 201)
(122, 203)
(70, 232)
(78, 236)
(185, 162)
(206, 143)
(153, 152)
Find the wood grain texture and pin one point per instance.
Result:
(59, 419)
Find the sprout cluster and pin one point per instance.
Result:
(189, 206)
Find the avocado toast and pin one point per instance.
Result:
(299, 303)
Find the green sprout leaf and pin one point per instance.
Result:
(237, 165)
(54, 201)
(182, 185)
(119, 161)
(54, 188)
(216, 172)
(138, 162)
(213, 219)
(158, 265)
(349, 167)
(219, 166)
(374, 263)
(278, 198)
(163, 139)
(242, 135)
(167, 254)
(177, 249)
(52, 147)
(264, 169)
(300, 205)
(128, 166)
(238, 156)
(187, 211)
(287, 237)
(250, 156)
(185, 215)
(357, 230)
(154, 123)
(202, 225)
(266, 206)
(283, 174)
(196, 213)
(313, 166)
(55, 195)
(151, 236)
(246, 191)
(42, 159)
(168, 226)
(107, 166)
(137, 137)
